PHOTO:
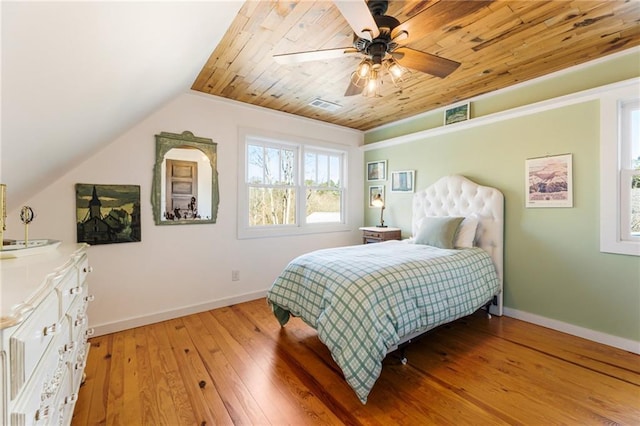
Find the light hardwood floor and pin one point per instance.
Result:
(235, 365)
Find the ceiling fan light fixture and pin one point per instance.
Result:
(395, 70)
(364, 68)
(372, 86)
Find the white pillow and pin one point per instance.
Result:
(465, 238)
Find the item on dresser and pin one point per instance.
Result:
(43, 335)
(18, 248)
(26, 216)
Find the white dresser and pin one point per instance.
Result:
(43, 325)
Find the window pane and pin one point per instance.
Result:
(323, 206)
(323, 170)
(635, 139)
(288, 162)
(271, 206)
(635, 165)
(255, 162)
(334, 171)
(310, 169)
(635, 205)
(272, 166)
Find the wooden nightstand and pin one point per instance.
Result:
(374, 234)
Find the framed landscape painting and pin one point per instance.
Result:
(457, 114)
(549, 181)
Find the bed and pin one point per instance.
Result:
(366, 300)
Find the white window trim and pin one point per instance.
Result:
(301, 227)
(610, 197)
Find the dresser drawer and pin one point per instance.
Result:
(38, 400)
(77, 364)
(62, 405)
(83, 268)
(30, 341)
(69, 288)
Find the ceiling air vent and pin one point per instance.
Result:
(325, 105)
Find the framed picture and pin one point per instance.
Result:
(457, 114)
(374, 191)
(377, 170)
(107, 214)
(402, 181)
(549, 181)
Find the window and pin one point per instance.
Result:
(630, 170)
(270, 182)
(323, 186)
(620, 172)
(289, 186)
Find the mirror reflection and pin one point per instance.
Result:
(185, 184)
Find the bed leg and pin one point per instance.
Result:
(403, 356)
(487, 307)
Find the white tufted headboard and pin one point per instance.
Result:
(456, 195)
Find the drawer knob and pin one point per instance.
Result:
(48, 331)
(76, 290)
(42, 413)
(89, 332)
(71, 398)
(89, 298)
(81, 320)
(87, 269)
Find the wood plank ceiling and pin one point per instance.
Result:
(499, 43)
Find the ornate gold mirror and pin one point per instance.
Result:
(185, 180)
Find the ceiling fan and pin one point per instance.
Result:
(376, 36)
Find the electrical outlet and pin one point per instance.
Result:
(235, 275)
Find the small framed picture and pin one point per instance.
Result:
(457, 114)
(375, 191)
(402, 181)
(549, 181)
(377, 170)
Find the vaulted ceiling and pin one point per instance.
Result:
(498, 43)
(77, 75)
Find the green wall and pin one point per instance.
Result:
(553, 265)
(620, 67)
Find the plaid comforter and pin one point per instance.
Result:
(363, 299)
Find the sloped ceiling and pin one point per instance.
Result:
(498, 43)
(76, 75)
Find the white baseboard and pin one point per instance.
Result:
(574, 330)
(113, 327)
(585, 333)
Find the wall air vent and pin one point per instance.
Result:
(325, 105)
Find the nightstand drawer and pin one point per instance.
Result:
(372, 235)
(378, 234)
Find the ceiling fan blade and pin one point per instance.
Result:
(312, 55)
(441, 15)
(353, 90)
(359, 18)
(425, 62)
